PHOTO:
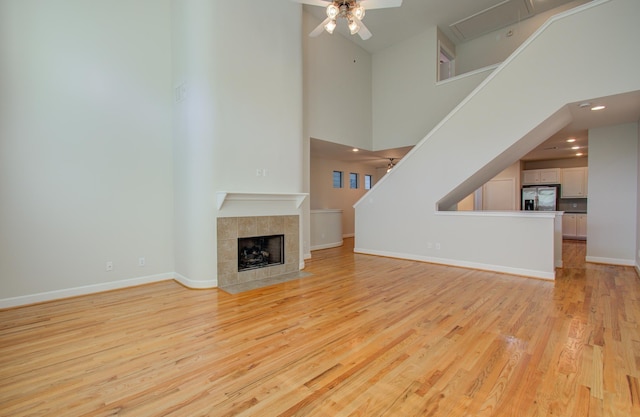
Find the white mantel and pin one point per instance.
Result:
(238, 204)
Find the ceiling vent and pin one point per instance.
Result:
(496, 17)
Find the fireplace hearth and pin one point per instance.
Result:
(260, 251)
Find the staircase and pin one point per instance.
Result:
(523, 102)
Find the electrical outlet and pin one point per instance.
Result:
(141, 261)
(109, 266)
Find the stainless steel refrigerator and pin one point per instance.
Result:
(540, 198)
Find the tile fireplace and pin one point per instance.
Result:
(258, 239)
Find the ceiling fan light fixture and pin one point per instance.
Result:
(390, 165)
(330, 26)
(333, 11)
(353, 26)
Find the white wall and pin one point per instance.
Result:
(337, 103)
(324, 196)
(407, 101)
(337, 87)
(496, 46)
(85, 146)
(487, 132)
(612, 204)
(637, 254)
(242, 113)
(86, 153)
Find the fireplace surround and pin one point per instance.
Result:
(230, 229)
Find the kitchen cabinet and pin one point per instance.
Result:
(541, 176)
(581, 226)
(574, 226)
(574, 182)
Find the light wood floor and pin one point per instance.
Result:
(364, 336)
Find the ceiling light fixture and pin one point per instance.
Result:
(330, 26)
(391, 164)
(350, 10)
(333, 11)
(353, 26)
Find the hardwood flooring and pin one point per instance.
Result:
(363, 336)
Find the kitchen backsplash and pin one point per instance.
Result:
(576, 205)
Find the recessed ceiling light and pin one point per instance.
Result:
(571, 140)
(596, 108)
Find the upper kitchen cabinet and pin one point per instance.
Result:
(541, 176)
(574, 182)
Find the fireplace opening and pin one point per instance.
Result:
(260, 251)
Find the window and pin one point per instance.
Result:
(353, 180)
(368, 181)
(337, 179)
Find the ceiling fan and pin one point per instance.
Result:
(351, 10)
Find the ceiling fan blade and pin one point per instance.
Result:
(380, 4)
(318, 30)
(322, 3)
(363, 32)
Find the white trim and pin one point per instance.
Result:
(505, 213)
(196, 285)
(467, 74)
(463, 264)
(610, 261)
(327, 245)
(82, 290)
(296, 198)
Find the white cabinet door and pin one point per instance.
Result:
(531, 177)
(569, 226)
(541, 176)
(574, 183)
(581, 226)
(550, 176)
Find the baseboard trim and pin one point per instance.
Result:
(193, 284)
(544, 275)
(328, 245)
(611, 261)
(82, 290)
